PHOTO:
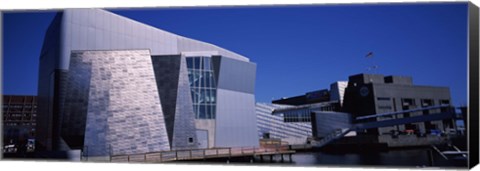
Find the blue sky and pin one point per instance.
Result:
(296, 48)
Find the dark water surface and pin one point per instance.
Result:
(400, 158)
(405, 158)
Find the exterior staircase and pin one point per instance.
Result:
(336, 134)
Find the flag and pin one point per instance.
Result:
(369, 55)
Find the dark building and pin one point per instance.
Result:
(368, 94)
(307, 98)
(19, 113)
(301, 107)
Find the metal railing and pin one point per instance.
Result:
(401, 112)
(336, 134)
(195, 154)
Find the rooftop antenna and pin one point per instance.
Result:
(372, 67)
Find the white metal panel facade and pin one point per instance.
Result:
(236, 123)
(96, 29)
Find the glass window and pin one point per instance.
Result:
(196, 63)
(208, 79)
(202, 86)
(201, 111)
(190, 140)
(206, 63)
(383, 98)
(444, 102)
(189, 62)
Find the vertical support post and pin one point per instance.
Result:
(190, 154)
(430, 157)
(160, 157)
(281, 157)
(86, 153)
(128, 158)
(176, 155)
(271, 158)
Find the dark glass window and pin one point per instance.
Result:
(190, 140)
(427, 102)
(189, 62)
(444, 102)
(383, 98)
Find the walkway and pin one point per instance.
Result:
(202, 154)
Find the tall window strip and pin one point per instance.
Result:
(202, 85)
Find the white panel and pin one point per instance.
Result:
(99, 39)
(82, 16)
(236, 123)
(98, 20)
(112, 29)
(82, 39)
(67, 35)
(73, 16)
(122, 27)
(91, 38)
(75, 35)
(91, 18)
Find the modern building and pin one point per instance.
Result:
(19, 115)
(111, 85)
(303, 105)
(289, 119)
(368, 94)
(272, 126)
(337, 91)
(326, 122)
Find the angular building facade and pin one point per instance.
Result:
(110, 85)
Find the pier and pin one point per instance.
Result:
(203, 154)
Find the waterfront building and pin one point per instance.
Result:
(302, 106)
(19, 115)
(326, 122)
(272, 126)
(368, 94)
(289, 119)
(110, 85)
